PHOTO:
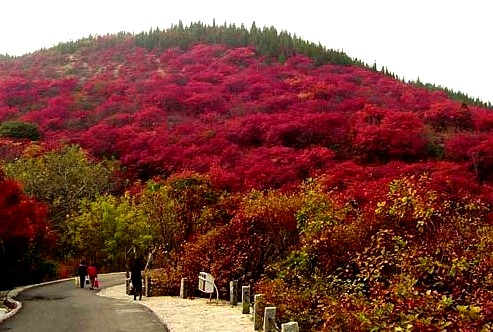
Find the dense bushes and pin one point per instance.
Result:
(424, 265)
(19, 130)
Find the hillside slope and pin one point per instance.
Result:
(230, 112)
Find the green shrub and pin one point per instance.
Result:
(20, 130)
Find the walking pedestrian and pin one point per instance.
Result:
(136, 276)
(93, 273)
(82, 271)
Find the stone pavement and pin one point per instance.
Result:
(187, 315)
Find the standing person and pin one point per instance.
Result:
(93, 273)
(137, 279)
(82, 271)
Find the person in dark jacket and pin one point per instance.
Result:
(82, 271)
(136, 276)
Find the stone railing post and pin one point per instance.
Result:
(270, 319)
(233, 292)
(147, 286)
(245, 299)
(184, 288)
(290, 327)
(258, 311)
(127, 289)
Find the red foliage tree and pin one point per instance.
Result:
(459, 147)
(448, 115)
(24, 232)
(483, 120)
(482, 160)
(382, 135)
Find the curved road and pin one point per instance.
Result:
(64, 307)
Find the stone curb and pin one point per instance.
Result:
(18, 305)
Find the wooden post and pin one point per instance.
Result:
(233, 292)
(270, 319)
(245, 299)
(258, 311)
(184, 288)
(290, 327)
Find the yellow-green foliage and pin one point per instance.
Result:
(106, 228)
(61, 178)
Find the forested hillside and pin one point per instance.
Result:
(353, 200)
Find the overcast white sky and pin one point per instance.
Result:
(443, 42)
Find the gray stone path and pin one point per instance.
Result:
(187, 315)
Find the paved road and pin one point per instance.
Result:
(64, 307)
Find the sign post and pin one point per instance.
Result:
(207, 285)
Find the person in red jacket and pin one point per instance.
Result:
(92, 272)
